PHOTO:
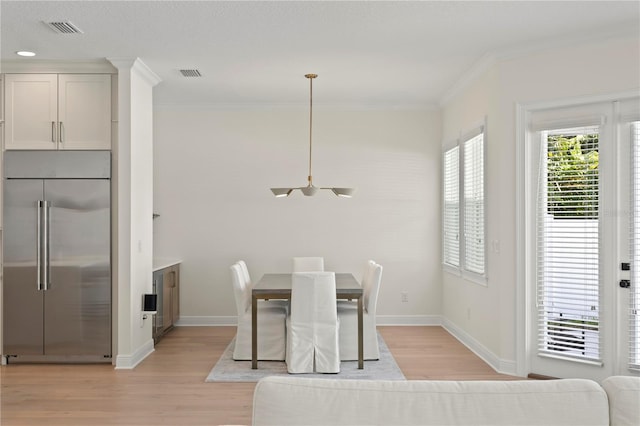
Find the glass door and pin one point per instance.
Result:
(628, 292)
(572, 260)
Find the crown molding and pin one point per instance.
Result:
(490, 59)
(39, 66)
(136, 65)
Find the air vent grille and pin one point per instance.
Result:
(190, 73)
(64, 27)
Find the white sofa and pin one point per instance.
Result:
(304, 401)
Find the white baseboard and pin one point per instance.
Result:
(501, 366)
(128, 362)
(207, 321)
(381, 320)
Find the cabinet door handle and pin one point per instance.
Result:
(61, 132)
(53, 131)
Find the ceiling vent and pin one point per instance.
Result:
(190, 73)
(64, 27)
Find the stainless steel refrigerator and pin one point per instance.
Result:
(57, 256)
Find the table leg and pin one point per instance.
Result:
(254, 332)
(360, 338)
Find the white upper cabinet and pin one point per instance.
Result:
(31, 111)
(84, 111)
(58, 111)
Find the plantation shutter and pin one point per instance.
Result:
(634, 299)
(473, 186)
(568, 285)
(451, 213)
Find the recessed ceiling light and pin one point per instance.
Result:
(25, 53)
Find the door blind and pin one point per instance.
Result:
(634, 297)
(568, 285)
(474, 241)
(451, 213)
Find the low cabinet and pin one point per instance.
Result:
(166, 285)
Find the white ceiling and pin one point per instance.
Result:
(381, 53)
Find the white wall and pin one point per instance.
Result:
(487, 315)
(212, 172)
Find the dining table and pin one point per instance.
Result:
(278, 286)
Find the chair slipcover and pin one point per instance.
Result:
(366, 280)
(245, 272)
(308, 264)
(247, 279)
(312, 326)
(271, 323)
(348, 315)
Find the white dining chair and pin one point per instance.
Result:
(271, 323)
(283, 303)
(308, 264)
(312, 325)
(245, 272)
(348, 316)
(365, 282)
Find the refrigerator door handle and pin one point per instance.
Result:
(45, 246)
(39, 245)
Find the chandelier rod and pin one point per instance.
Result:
(310, 77)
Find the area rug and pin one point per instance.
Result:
(228, 370)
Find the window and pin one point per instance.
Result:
(464, 220)
(451, 214)
(474, 204)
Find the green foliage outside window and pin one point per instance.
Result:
(572, 176)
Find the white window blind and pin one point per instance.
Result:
(451, 213)
(474, 241)
(634, 299)
(568, 285)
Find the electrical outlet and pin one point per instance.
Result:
(404, 297)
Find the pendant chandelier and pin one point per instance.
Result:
(311, 189)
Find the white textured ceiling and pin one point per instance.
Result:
(394, 53)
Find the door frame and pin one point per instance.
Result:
(523, 216)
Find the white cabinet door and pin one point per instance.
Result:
(31, 111)
(84, 111)
(51, 111)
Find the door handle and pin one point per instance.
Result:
(45, 245)
(39, 245)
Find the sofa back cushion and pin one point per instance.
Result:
(304, 401)
(624, 399)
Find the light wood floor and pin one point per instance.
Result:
(168, 387)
